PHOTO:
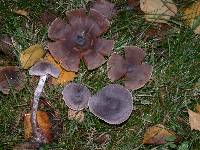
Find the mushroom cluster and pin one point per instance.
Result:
(113, 104)
(79, 39)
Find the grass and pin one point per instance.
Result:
(165, 99)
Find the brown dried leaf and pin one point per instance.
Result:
(191, 16)
(65, 76)
(76, 115)
(31, 55)
(135, 4)
(194, 120)
(198, 108)
(5, 46)
(102, 138)
(157, 135)
(158, 10)
(43, 122)
(47, 17)
(24, 146)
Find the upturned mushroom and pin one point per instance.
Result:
(76, 96)
(42, 69)
(11, 78)
(113, 104)
(135, 72)
(79, 39)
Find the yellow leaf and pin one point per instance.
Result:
(191, 16)
(31, 55)
(21, 12)
(194, 120)
(198, 108)
(76, 115)
(157, 135)
(43, 122)
(158, 10)
(65, 76)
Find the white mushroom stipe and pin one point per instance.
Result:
(42, 69)
(36, 98)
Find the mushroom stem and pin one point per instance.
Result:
(37, 135)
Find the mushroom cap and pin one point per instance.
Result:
(76, 96)
(135, 72)
(79, 39)
(44, 67)
(11, 77)
(113, 104)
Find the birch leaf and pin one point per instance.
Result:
(192, 17)
(65, 76)
(31, 55)
(76, 115)
(158, 10)
(194, 120)
(21, 12)
(157, 134)
(43, 122)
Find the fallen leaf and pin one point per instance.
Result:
(47, 17)
(102, 138)
(21, 12)
(194, 120)
(43, 123)
(198, 108)
(157, 134)
(135, 4)
(158, 10)
(192, 16)
(65, 76)
(76, 115)
(24, 146)
(6, 45)
(31, 55)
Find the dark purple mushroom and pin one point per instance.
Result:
(11, 78)
(76, 96)
(104, 7)
(113, 104)
(132, 68)
(43, 69)
(79, 39)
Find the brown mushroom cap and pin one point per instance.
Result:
(136, 73)
(113, 104)
(137, 76)
(116, 67)
(11, 77)
(76, 96)
(44, 67)
(79, 39)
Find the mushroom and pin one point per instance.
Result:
(79, 39)
(76, 96)
(136, 73)
(11, 77)
(43, 69)
(113, 104)
(104, 7)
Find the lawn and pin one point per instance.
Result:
(173, 51)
